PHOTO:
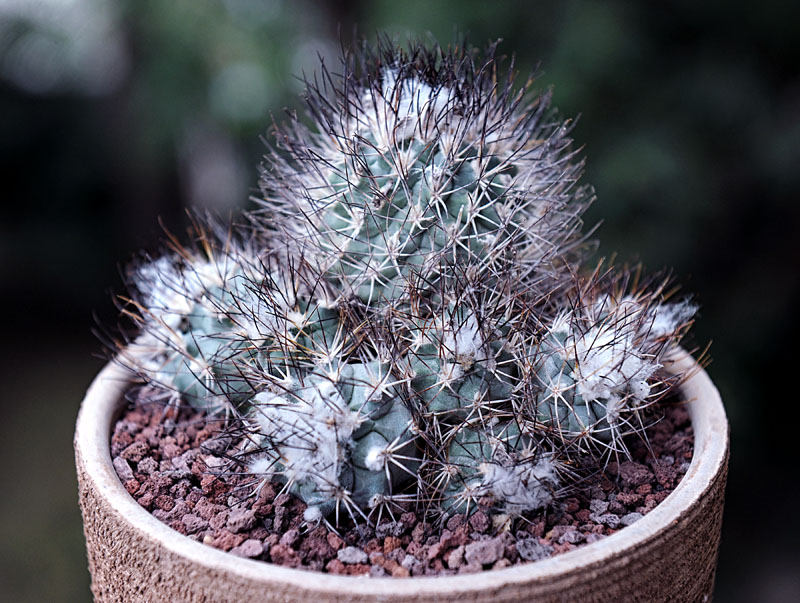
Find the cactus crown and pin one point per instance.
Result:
(407, 319)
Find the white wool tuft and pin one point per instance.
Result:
(464, 341)
(523, 485)
(607, 361)
(308, 436)
(666, 318)
(375, 459)
(614, 360)
(262, 466)
(312, 514)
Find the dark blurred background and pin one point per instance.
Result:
(117, 113)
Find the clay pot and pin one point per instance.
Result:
(668, 555)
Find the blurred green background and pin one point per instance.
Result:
(115, 113)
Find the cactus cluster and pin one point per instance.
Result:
(406, 318)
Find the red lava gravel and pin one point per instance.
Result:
(166, 461)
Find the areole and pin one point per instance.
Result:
(669, 555)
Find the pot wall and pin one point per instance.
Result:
(668, 555)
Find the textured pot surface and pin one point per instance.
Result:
(668, 555)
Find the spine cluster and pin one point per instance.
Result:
(407, 319)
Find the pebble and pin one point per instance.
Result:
(484, 552)
(334, 541)
(630, 518)
(411, 564)
(616, 508)
(479, 522)
(290, 537)
(241, 519)
(123, 469)
(598, 507)
(284, 555)
(608, 519)
(530, 549)
(456, 558)
(249, 548)
(572, 536)
(351, 555)
(391, 528)
(135, 452)
(376, 571)
(634, 474)
(194, 523)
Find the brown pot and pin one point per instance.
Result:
(668, 555)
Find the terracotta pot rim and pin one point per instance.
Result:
(93, 434)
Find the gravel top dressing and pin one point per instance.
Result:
(170, 462)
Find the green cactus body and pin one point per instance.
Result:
(340, 439)
(454, 367)
(558, 404)
(196, 337)
(593, 370)
(497, 461)
(390, 222)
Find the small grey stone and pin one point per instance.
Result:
(249, 548)
(161, 515)
(219, 520)
(147, 465)
(456, 558)
(484, 552)
(608, 519)
(598, 507)
(289, 537)
(216, 444)
(630, 518)
(616, 508)
(375, 557)
(351, 555)
(376, 571)
(180, 464)
(194, 523)
(531, 549)
(178, 511)
(411, 563)
(128, 426)
(397, 554)
(558, 531)
(590, 538)
(241, 519)
(572, 536)
(122, 468)
(390, 528)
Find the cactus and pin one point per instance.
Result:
(407, 320)
(422, 163)
(337, 441)
(192, 324)
(500, 462)
(595, 366)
